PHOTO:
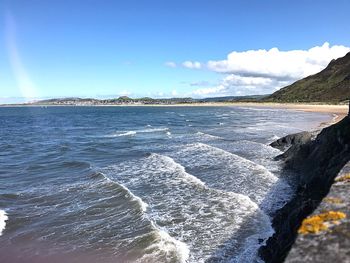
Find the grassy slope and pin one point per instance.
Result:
(330, 85)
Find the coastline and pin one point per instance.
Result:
(338, 111)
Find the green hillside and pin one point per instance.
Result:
(331, 85)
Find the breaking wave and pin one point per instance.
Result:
(3, 219)
(133, 133)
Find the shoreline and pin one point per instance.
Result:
(338, 111)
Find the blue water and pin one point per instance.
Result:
(141, 184)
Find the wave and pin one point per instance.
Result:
(273, 138)
(153, 130)
(235, 156)
(166, 244)
(129, 133)
(133, 133)
(227, 171)
(134, 197)
(193, 216)
(196, 218)
(3, 219)
(206, 135)
(172, 165)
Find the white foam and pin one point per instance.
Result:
(195, 220)
(231, 172)
(241, 159)
(153, 130)
(168, 244)
(135, 197)
(128, 133)
(133, 133)
(171, 164)
(274, 138)
(142, 204)
(335, 117)
(206, 135)
(3, 219)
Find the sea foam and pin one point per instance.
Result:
(3, 219)
(167, 244)
(172, 165)
(129, 133)
(142, 204)
(133, 133)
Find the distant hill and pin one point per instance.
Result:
(124, 100)
(331, 85)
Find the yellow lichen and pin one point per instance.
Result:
(333, 200)
(321, 222)
(344, 178)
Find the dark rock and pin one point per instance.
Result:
(318, 162)
(292, 139)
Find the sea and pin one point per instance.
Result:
(142, 184)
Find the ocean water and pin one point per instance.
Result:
(141, 184)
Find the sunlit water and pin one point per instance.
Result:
(141, 184)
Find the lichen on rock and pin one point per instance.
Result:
(344, 178)
(333, 200)
(320, 222)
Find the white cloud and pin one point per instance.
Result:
(170, 64)
(208, 91)
(124, 93)
(174, 93)
(192, 64)
(265, 71)
(274, 63)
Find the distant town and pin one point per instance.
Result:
(124, 100)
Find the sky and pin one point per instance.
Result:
(165, 48)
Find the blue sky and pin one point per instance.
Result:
(95, 48)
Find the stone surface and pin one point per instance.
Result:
(292, 139)
(332, 245)
(317, 162)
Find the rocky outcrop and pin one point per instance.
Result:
(318, 162)
(286, 142)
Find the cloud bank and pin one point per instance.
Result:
(278, 64)
(265, 71)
